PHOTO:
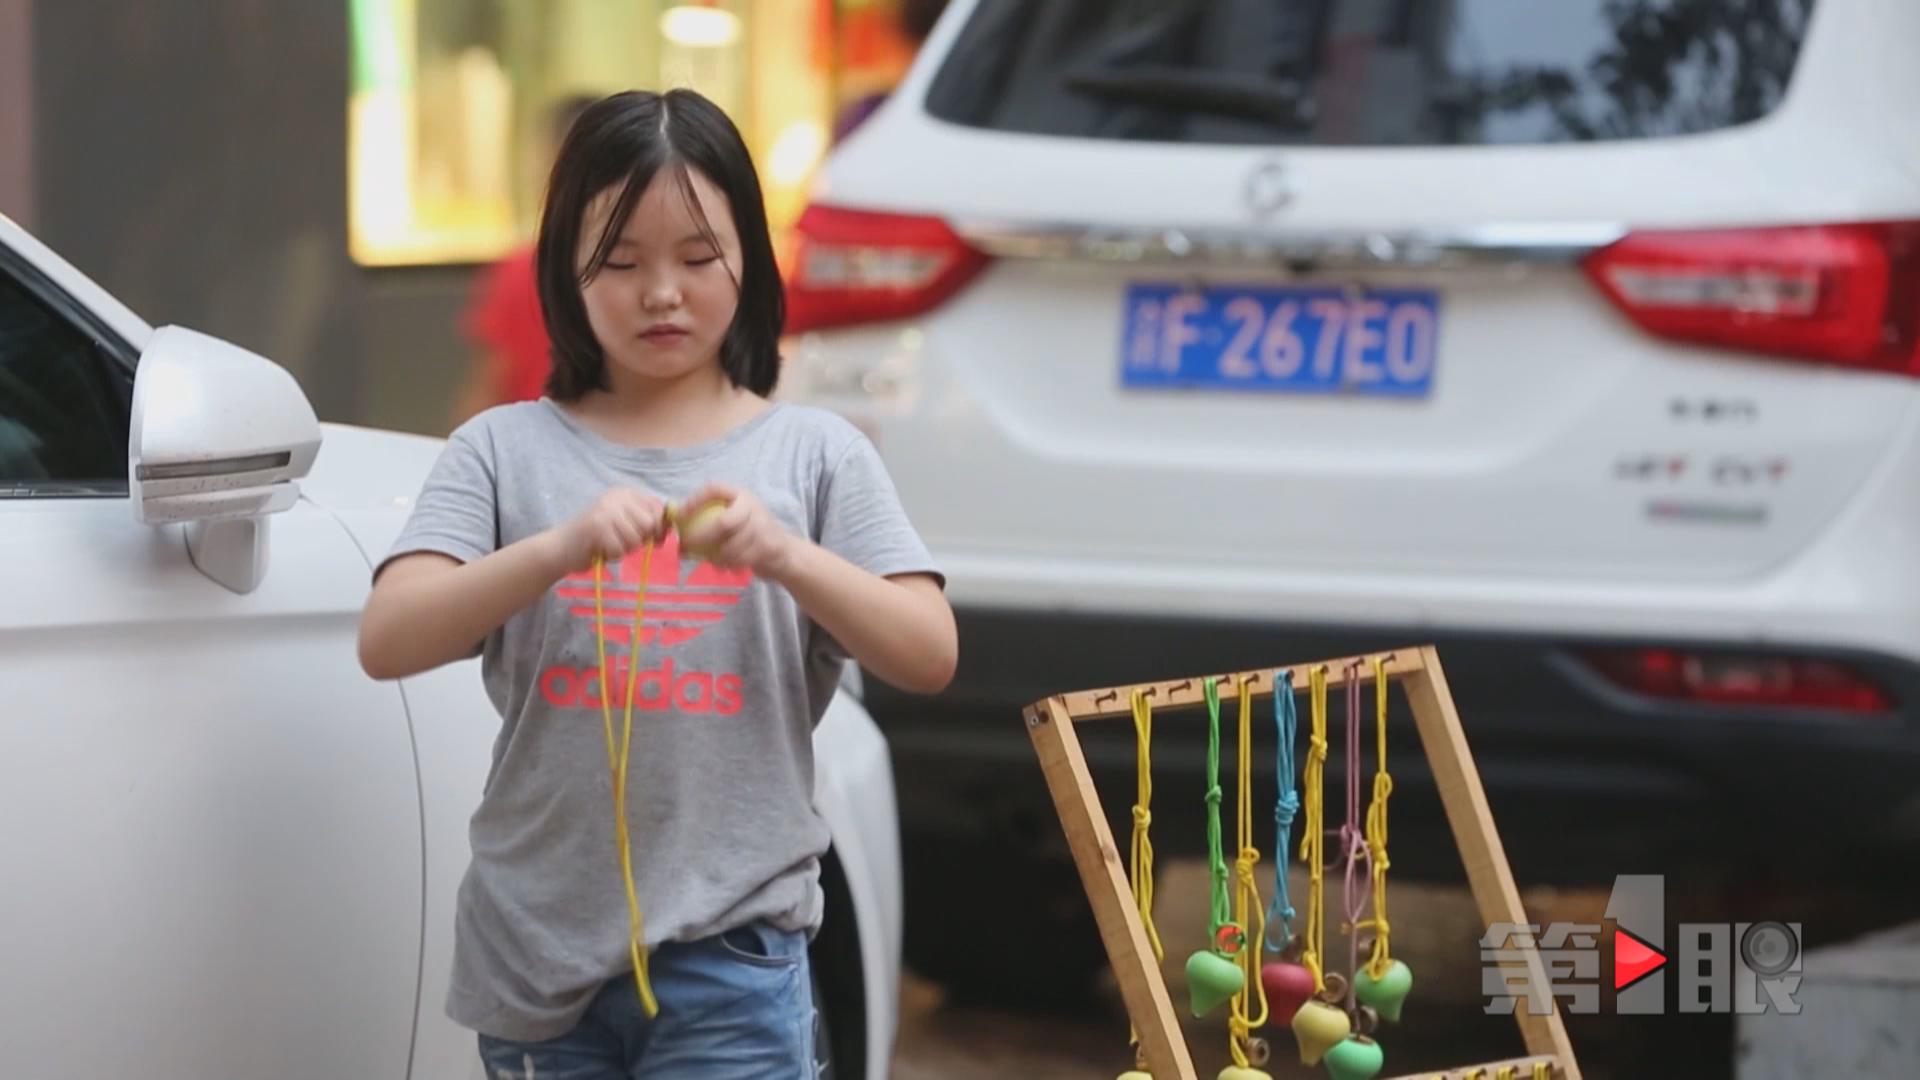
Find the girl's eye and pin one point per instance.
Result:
(703, 262)
(617, 266)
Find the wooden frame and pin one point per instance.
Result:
(1050, 721)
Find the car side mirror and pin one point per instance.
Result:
(220, 438)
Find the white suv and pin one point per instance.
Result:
(1580, 338)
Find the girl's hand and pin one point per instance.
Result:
(618, 521)
(744, 535)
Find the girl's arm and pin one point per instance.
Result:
(899, 628)
(429, 609)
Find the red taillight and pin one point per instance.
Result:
(858, 266)
(1840, 294)
(1740, 679)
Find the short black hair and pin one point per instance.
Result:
(627, 139)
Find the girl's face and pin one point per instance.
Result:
(663, 302)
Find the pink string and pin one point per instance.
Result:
(1353, 838)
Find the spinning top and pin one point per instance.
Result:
(1136, 1074)
(1386, 994)
(1355, 1058)
(1288, 987)
(691, 520)
(1212, 979)
(1318, 1027)
(1236, 1072)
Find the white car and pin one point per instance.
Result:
(1580, 338)
(227, 852)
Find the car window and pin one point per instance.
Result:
(65, 398)
(1369, 72)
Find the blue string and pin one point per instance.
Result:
(1281, 912)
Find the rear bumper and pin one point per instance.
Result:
(1584, 780)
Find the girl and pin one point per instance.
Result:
(791, 555)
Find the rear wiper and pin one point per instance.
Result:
(1281, 102)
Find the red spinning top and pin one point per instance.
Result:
(1288, 987)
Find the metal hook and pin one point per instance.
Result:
(1110, 695)
(1183, 684)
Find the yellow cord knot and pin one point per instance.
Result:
(1381, 955)
(1244, 1018)
(1245, 864)
(1313, 836)
(1140, 869)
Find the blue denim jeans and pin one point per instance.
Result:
(738, 1006)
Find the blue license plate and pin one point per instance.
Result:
(1285, 339)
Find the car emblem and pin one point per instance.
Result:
(1269, 189)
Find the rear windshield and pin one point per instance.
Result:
(1369, 72)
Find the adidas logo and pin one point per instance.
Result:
(654, 690)
(684, 597)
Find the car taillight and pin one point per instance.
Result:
(859, 266)
(1740, 679)
(1839, 294)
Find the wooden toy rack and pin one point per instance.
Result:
(1051, 723)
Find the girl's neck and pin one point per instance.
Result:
(688, 411)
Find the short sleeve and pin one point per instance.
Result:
(861, 519)
(455, 513)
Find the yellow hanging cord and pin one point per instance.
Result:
(1313, 842)
(1246, 899)
(1542, 1071)
(1381, 956)
(617, 762)
(1142, 860)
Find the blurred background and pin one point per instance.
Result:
(326, 184)
(1671, 575)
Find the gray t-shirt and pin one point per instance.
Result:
(733, 678)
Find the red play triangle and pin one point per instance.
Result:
(1633, 959)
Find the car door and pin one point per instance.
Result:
(211, 840)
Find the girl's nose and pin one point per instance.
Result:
(661, 298)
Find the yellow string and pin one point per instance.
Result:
(1381, 956)
(1507, 1072)
(1142, 868)
(1246, 900)
(617, 763)
(1313, 843)
(1542, 1071)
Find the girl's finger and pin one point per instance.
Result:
(736, 516)
(734, 554)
